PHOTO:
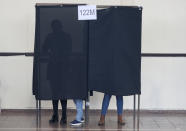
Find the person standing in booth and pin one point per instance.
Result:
(56, 48)
(79, 113)
(105, 105)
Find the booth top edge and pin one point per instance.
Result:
(74, 4)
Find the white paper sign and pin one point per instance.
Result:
(87, 12)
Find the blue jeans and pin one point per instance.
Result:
(79, 109)
(106, 101)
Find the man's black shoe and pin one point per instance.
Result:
(54, 119)
(63, 121)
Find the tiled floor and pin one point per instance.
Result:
(149, 121)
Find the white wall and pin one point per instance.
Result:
(164, 26)
(163, 79)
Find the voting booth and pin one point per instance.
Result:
(75, 56)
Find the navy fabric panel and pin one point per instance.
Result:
(115, 51)
(60, 61)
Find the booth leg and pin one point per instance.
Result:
(134, 113)
(87, 106)
(138, 120)
(0, 105)
(38, 113)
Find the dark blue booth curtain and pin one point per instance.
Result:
(60, 61)
(115, 51)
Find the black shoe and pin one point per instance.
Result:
(76, 123)
(64, 117)
(54, 119)
(63, 121)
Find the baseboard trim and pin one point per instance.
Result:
(98, 111)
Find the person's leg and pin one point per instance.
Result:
(79, 114)
(119, 104)
(55, 111)
(55, 107)
(119, 101)
(105, 104)
(79, 108)
(64, 111)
